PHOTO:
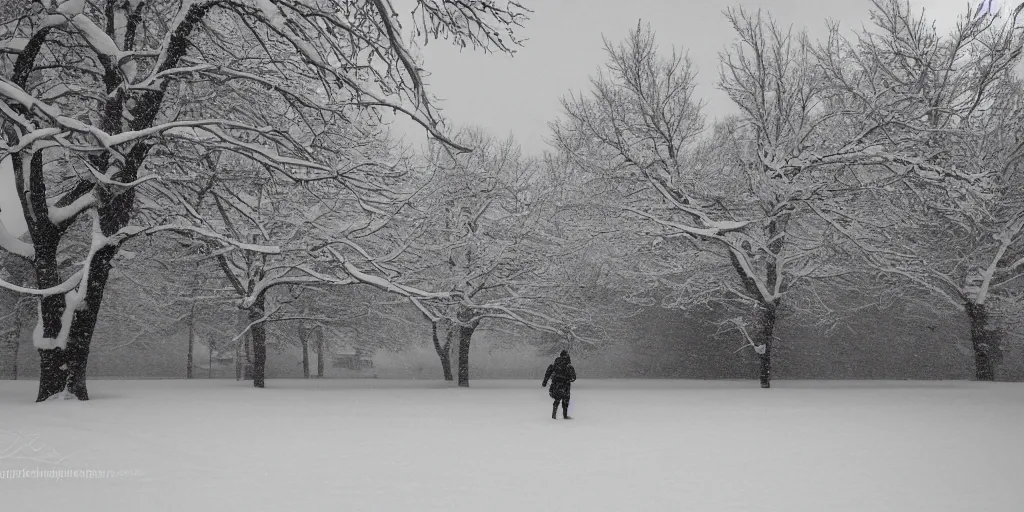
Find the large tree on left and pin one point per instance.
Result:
(89, 91)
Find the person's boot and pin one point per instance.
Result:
(565, 411)
(554, 411)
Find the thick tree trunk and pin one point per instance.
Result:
(191, 342)
(465, 338)
(259, 343)
(66, 369)
(444, 352)
(982, 341)
(767, 319)
(305, 352)
(53, 375)
(60, 369)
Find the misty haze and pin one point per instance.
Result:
(417, 255)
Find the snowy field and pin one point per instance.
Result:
(421, 446)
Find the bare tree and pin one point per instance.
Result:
(327, 232)
(953, 228)
(486, 238)
(757, 198)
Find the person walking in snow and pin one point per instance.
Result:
(562, 375)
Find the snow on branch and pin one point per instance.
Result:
(13, 245)
(104, 179)
(382, 283)
(715, 229)
(64, 287)
(266, 284)
(430, 315)
(102, 44)
(74, 299)
(737, 323)
(550, 326)
(18, 95)
(60, 214)
(264, 318)
(131, 231)
(13, 45)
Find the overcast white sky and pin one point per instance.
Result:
(520, 94)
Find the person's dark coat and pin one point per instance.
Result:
(561, 374)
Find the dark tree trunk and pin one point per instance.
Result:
(465, 337)
(238, 358)
(444, 351)
(242, 347)
(767, 313)
(53, 375)
(259, 343)
(982, 341)
(17, 347)
(45, 240)
(247, 367)
(13, 341)
(305, 352)
(319, 354)
(66, 369)
(9, 352)
(83, 326)
(191, 342)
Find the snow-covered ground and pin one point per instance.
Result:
(419, 446)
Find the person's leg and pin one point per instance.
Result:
(554, 410)
(565, 408)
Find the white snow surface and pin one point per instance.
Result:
(424, 446)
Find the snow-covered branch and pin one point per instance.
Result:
(131, 231)
(13, 245)
(69, 284)
(382, 283)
